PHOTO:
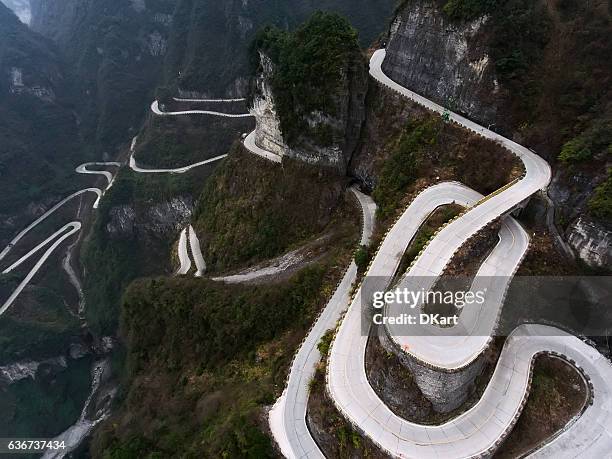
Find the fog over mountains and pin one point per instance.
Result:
(21, 8)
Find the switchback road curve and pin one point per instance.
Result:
(480, 430)
(288, 416)
(155, 109)
(58, 237)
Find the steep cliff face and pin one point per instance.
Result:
(221, 66)
(343, 129)
(587, 235)
(536, 71)
(592, 242)
(163, 219)
(116, 50)
(309, 92)
(54, 19)
(40, 144)
(268, 133)
(445, 60)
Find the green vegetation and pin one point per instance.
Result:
(596, 140)
(107, 45)
(334, 434)
(39, 142)
(363, 255)
(114, 260)
(515, 53)
(244, 215)
(401, 169)
(211, 357)
(172, 142)
(441, 215)
(39, 323)
(225, 322)
(310, 67)
(600, 203)
(207, 68)
(410, 155)
(469, 9)
(46, 405)
(325, 343)
(557, 395)
(575, 151)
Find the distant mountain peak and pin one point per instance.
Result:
(21, 8)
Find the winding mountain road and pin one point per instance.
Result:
(288, 416)
(183, 254)
(479, 431)
(59, 236)
(179, 170)
(155, 109)
(456, 346)
(179, 99)
(189, 239)
(196, 252)
(249, 143)
(83, 169)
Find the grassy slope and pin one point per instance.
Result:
(252, 210)
(404, 148)
(112, 262)
(171, 142)
(212, 357)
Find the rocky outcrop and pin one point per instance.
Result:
(344, 127)
(169, 216)
(17, 371)
(446, 61)
(17, 86)
(54, 19)
(592, 242)
(121, 220)
(159, 219)
(268, 133)
(589, 238)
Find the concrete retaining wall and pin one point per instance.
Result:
(445, 389)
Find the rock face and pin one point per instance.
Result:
(161, 219)
(17, 86)
(442, 60)
(588, 238)
(592, 242)
(345, 126)
(54, 19)
(445, 390)
(268, 132)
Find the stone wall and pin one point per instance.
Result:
(446, 390)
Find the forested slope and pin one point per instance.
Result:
(39, 139)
